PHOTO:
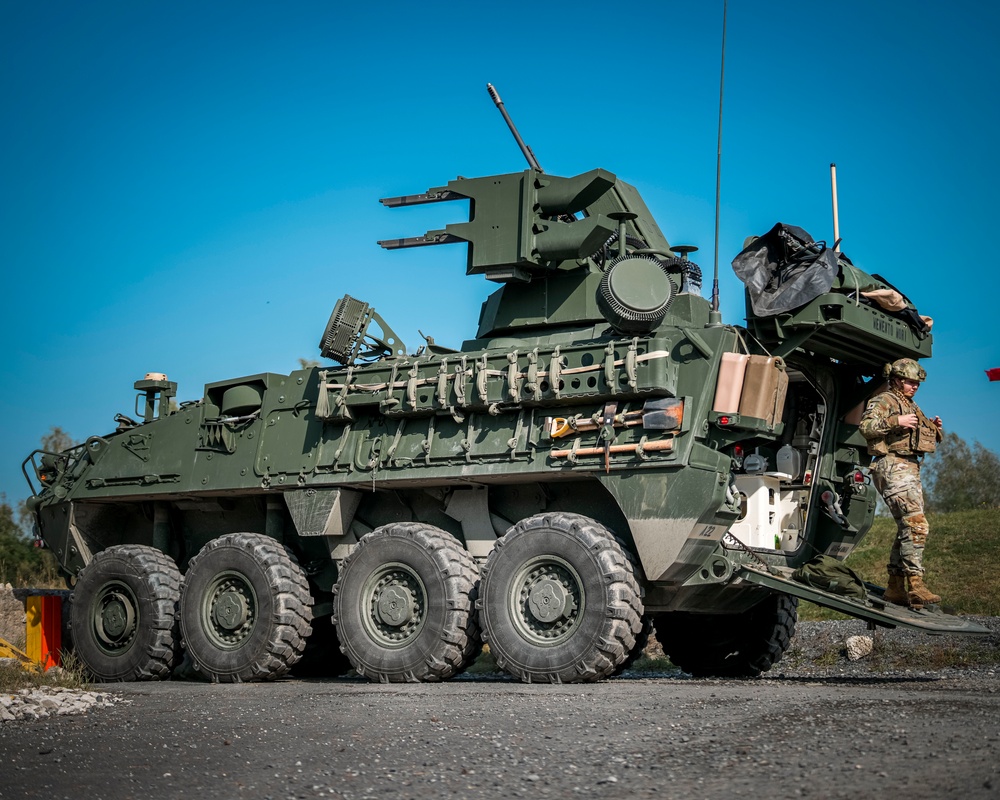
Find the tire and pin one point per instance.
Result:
(639, 649)
(404, 606)
(732, 645)
(559, 600)
(123, 614)
(245, 609)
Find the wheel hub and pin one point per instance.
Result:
(115, 619)
(229, 610)
(393, 605)
(547, 600)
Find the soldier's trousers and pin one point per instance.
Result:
(897, 479)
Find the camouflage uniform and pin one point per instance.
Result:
(896, 473)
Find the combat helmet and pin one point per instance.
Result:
(905, 368)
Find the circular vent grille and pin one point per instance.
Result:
(635, 293)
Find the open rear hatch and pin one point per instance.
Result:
(873, 609)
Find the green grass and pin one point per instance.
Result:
(932, 655)
(485, 663)
(962, 562)
(653, 665)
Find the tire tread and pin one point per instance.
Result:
(459, 641)
(292, 618)
(623, 604)
(163, 579)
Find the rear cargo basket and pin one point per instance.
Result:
(835, 325)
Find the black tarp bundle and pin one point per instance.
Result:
(785, 269)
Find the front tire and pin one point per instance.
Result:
(560, 600)
(404, 606)
(732, 645)
(124, 614)
(245, 609)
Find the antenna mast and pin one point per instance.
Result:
(714, 317)
(836, 216)
(530, 156)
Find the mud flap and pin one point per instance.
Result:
(874, 609)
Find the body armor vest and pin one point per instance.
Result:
(906, 441)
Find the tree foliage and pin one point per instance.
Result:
(22, 564)
(962, 478)
(57, 440)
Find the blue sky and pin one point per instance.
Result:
(189, 187)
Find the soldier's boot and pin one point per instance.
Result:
(919, 594)
(895, 592)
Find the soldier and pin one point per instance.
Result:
(898, 436)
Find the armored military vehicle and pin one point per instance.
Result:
(604, 455)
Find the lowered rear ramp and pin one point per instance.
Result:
(874, 609)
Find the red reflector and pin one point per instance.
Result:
(859, 477)
(723, 420)
(807, 478)
(738, 450)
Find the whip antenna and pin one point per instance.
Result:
(525, 149)
(836, 216)
(714, 317)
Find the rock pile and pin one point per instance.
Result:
(46, 701)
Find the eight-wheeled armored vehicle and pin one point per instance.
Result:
(603, 456)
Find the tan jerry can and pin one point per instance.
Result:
(764, 388)
(729, 387)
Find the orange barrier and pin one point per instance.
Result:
(44, 628)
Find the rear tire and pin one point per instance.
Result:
(124, 614)
(731, 645)
(639, 649)
(245, 609)
(560, 600)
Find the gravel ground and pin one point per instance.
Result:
(818, 650)
(918, 717)
(915, 737)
